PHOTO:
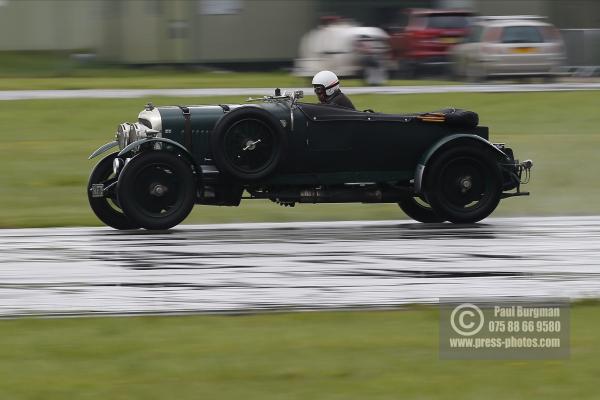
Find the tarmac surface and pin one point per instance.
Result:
(145, 93)
(293, 266)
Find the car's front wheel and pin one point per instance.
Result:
(418, 209)
(107, 207)
(157, 190)
(464, 184)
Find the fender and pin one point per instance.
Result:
(184, 151)
(103, 148)
(420, 169)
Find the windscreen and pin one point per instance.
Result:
(448, 21)
(521, 34)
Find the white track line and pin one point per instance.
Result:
(145, 93)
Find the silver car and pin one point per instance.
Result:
(514, 46)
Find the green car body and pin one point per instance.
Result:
(292, 152)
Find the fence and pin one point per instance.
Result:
(583, 51)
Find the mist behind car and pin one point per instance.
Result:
(512, 46)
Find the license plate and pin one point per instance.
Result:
(97, 190)
(523, 50)
(449, 40)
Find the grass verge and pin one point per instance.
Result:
(182, 80)
(45, 144)
(53, 71)
(333, 355)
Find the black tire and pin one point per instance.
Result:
(157, 189)
(248, 144)
(107, 209)
(419, 210)
(464, 184)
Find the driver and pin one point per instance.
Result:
(327, 89)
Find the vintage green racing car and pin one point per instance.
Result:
(438, 166)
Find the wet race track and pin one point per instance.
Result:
(255, 267)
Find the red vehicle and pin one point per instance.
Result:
(427, 37)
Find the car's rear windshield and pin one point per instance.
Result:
(521, 34)
(448, 21)
(474, 34)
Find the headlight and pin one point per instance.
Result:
(128, 133)
(123, 134)
(136, 132)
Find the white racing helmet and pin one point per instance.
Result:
(328, 80)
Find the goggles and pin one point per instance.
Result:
(319, 89)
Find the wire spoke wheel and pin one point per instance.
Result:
(464, 185)
(107, 208)
(157, 190)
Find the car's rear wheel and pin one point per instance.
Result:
(157, 190)
(464, 184)
(419, 210)
(248, 144)
(107, 208)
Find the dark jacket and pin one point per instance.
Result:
(340, 99)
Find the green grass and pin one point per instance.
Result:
(136, 79)
(333, 355)
(56, 70)
(45, 144)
